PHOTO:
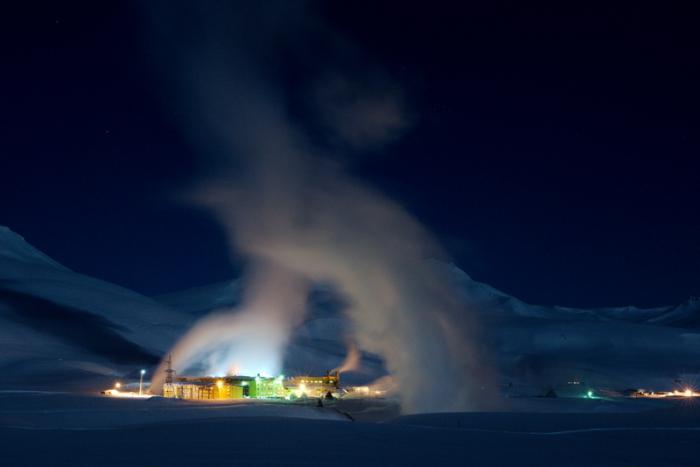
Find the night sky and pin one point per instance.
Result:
(554, 149)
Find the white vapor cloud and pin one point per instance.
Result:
(300, 218)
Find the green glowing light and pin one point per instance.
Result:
(589, 394)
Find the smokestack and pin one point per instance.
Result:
(169, 372)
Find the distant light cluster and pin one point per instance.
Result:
(687, 392)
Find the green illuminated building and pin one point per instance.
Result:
(227, 387)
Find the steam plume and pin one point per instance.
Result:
(352, 359)
(291, 208)
(250, 341)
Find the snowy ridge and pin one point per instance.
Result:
(13, 247)
(482, 297)
(489, 299)
(56, 321)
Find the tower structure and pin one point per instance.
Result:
(169, 372)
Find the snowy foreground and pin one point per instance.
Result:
(60, 429)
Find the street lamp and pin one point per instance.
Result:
(143, 372)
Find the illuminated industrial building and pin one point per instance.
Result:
(314, 386)
(248, 387)
(228, 387)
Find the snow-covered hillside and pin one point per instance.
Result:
(490, 300)
(56, 324)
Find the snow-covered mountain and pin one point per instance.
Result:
(56, 323)
(491, 300)
(614, 346)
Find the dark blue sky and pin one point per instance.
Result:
(554, 151)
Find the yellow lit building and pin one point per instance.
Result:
(228, 387)
(314, 386)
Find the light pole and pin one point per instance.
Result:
(143, 372)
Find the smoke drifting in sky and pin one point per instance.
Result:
(290, 207)
(352, 359)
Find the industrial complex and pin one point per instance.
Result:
(250, 387)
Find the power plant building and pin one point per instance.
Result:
(314, 386)
(228, 387)
(248, 387)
